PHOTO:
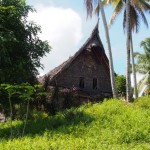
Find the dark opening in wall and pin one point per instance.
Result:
(94, 83)
(81, 83)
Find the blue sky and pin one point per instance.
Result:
(65, 26)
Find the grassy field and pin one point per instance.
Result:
(111, 125)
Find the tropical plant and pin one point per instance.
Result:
(121, 85)
(143, 65)
(137, 9)
(11, 90)
(26, 95)
(99, 7)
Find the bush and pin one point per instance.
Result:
(121, 85)
(112, 124)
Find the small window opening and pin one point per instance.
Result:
(94, 83)
(81, 83)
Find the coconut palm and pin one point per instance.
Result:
(143, 66)
(128, 26)
(99, 7)
(137, 9)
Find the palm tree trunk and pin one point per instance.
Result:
(133, 69)
(112, 78)
(128, 80)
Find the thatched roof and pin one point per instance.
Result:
(93, 41)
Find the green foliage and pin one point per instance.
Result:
(19, 96)
(25, 92)
(143, 59)
(113, 124)
(143, 65)
(35, 115)
(20, 47)
(11, 91)
(143, 103)
(121, 85)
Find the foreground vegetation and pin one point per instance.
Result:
(113, 124)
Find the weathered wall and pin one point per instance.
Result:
(86, 65)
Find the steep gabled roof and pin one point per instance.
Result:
(93, 41)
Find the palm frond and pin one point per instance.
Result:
(143, 63)
(140, 56)
(89, 7)
(144, 81)
(97, 9)
(106, 2)
(116, 12)
(139, 10)
(115, 2)
(141, 68)
(145, 5)
(134, 19)
(136, 54)
(124, 21)
(146, 46)
(144, 18)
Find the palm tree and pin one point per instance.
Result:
(128, 80)
(136, 11)
(143, 65)
(99, 7)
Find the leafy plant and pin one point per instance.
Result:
(143, 66)
(11, 90)
(121, 85)
(26, 95)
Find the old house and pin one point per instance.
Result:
(87, 71)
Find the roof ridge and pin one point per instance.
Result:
(96, 30)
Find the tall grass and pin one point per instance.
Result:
(113, 124)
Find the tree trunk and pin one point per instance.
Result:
(133, 69)
(26, 119)
(128, 80)
(112, 75)
(10, 105)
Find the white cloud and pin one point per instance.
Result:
(62, 28)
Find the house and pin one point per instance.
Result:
(87, 71)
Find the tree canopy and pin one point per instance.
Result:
(20, 46)
(137, 12)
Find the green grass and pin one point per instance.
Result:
(111, 125)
